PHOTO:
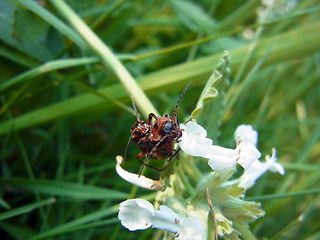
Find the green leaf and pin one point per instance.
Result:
(18, 31)
(24, 28)
(208, 94)
(6, 20)
(58, 188)
(52, 20)
(211, 101)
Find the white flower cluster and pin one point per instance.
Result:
(139, 214)
(194, 142)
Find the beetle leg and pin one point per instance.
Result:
(152, 151)
(176, 153)
(147, 165)
(142, 140)
(151, 115)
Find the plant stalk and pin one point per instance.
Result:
(107, 57)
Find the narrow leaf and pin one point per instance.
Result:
(58, 188)
(25, 209)
(211, 101)
(47, 67)
(69, 226)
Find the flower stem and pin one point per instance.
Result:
(189, 167)
(185, 181)
(245, 232)
(107, 57)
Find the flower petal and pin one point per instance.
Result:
(139, 214)
(166, 219)
(193, 140)
(221, 158)
(258, 168)
(277, 167)
(219, 162)
(273, 166)
(248, 153)
(192, 228)
(246, 133)
(251, 174)
(135, 179)
(136, 214)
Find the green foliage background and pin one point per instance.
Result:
(65, 115)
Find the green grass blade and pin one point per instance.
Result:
(69, 226)
(285, 195)
(198, 71)
(25, 209)
(16, 231)
(17, 57)
(232, 98)
(314, 138)
(301, 167)
(4, 204)
(59, 188)
(63, 231)
(47, 67)
(58, 232)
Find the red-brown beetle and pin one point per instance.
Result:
(156, 140)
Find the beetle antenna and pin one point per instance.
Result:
(125, 152)
(136, 110)
(183, 92)
(134, 107)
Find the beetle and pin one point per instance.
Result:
(157, 136)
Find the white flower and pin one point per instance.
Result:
(139, 214)
(245, 133)
(195, 143)
(221, 158)
(256, 169)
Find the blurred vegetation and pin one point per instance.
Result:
(65, 115)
